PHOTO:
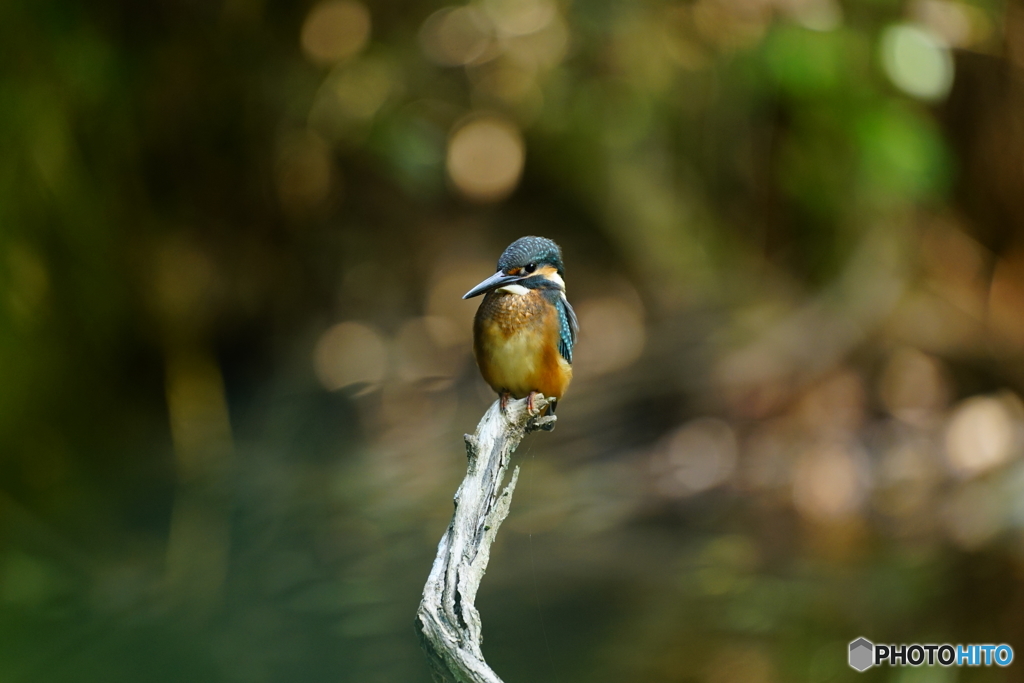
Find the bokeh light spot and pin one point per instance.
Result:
(913, 386)
(917, 61)
(981, 435)
(818, 15)
(959, 24)
(835, 406)
(362, 87)
(350, 353)
(335, 30)
(454, 36)
(543, 49)
(698, 456)
(485, 158)
(520, 17)
(830, 482)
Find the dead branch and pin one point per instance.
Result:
(447, 619)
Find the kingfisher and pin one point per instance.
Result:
(525, 329)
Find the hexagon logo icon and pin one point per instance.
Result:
(862, 654)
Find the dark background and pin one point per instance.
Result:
(235, 366)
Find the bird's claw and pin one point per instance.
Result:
(544, 423)
(530, 407)
(539, 417)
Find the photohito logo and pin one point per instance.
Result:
(864, 654)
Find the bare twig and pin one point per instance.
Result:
(447, 619)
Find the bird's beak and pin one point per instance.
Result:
(499, 279)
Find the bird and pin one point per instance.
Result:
(525, 329)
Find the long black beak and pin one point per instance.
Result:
(499, 279)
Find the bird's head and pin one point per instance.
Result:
(528, 262)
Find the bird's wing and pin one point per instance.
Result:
(568, 327)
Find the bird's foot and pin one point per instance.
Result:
(540, 418)
(530, 407)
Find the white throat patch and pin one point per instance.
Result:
(514, 289)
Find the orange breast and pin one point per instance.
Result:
(516, 345)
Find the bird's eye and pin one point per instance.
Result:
(530, 267)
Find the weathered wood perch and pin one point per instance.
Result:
(447, 619)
